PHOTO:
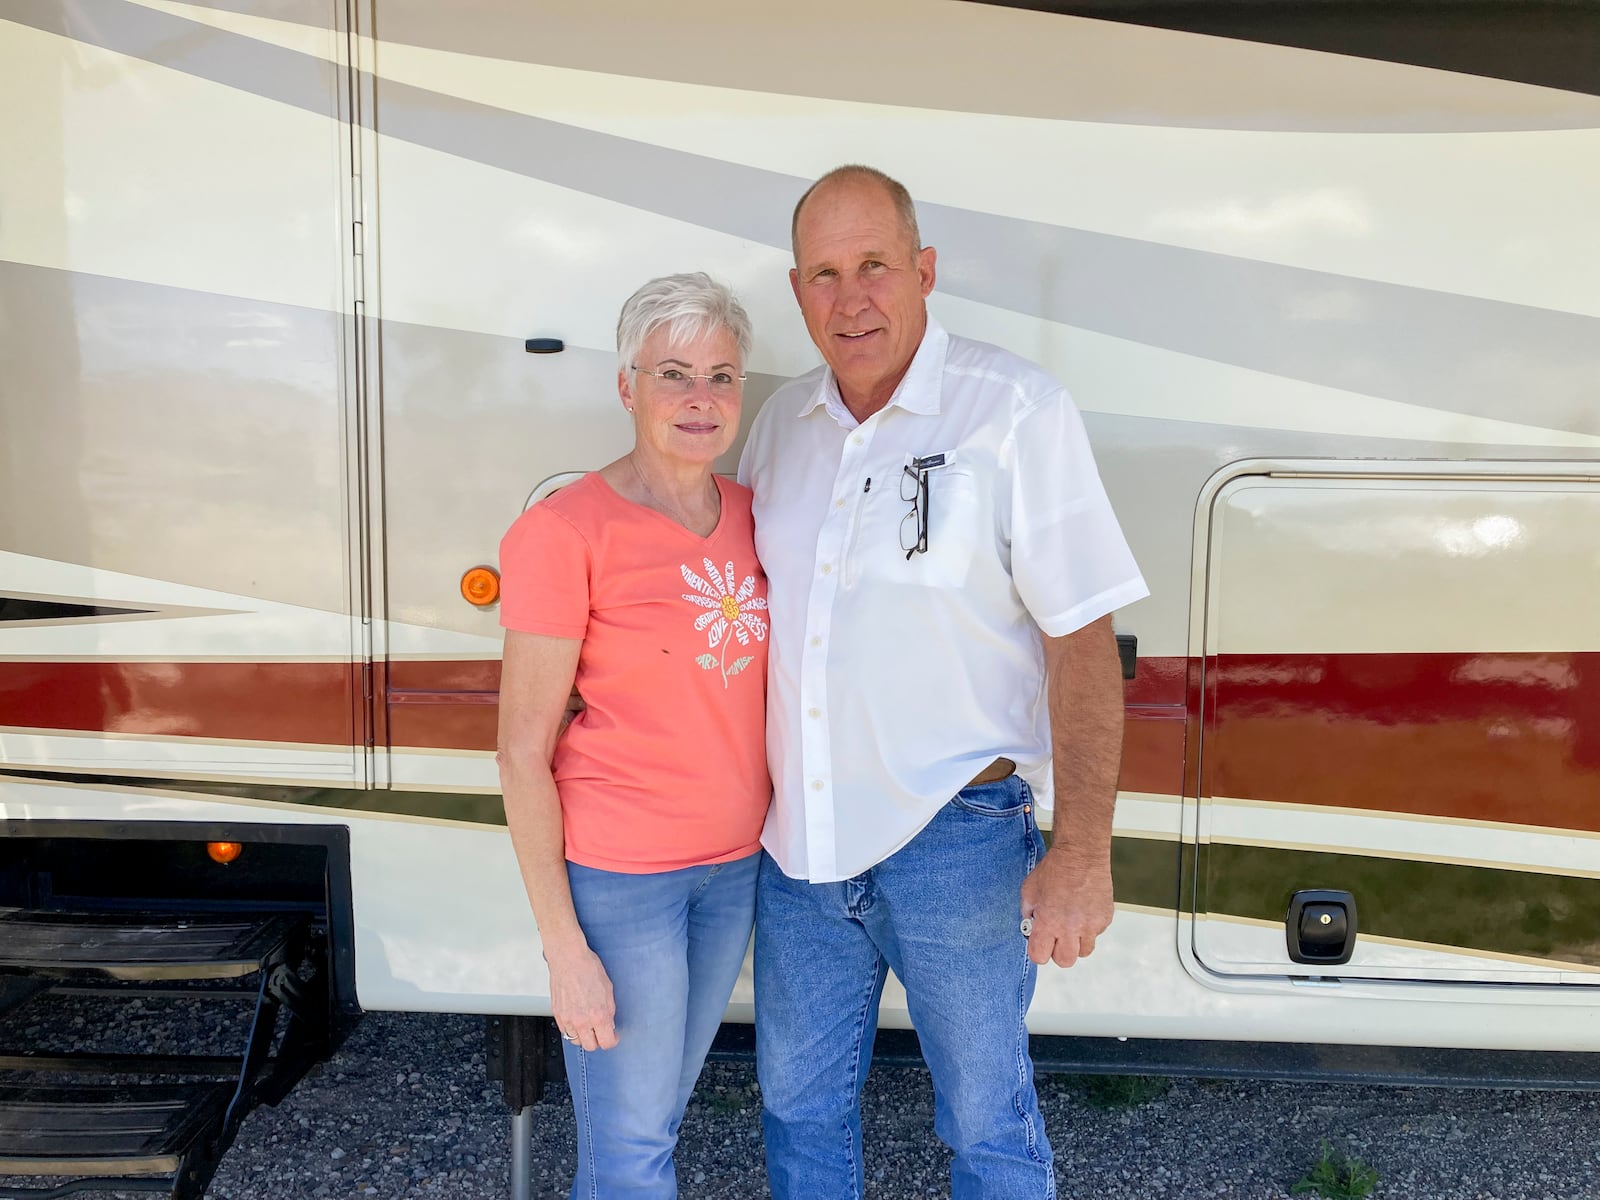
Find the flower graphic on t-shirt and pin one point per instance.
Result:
(732, 614)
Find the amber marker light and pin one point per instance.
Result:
(224, 852)
(480, 586)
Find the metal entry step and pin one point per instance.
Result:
(104, 1131)
(143, 946)
(165, 1129)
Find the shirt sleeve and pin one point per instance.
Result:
(750, 456)
(545, 571)
(1069, 560)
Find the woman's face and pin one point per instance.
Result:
(695, 425)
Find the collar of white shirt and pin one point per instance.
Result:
(919, 391)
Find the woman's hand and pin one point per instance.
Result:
(581, 1001)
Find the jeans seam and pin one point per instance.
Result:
(1021, 1064)
(711, 873)
(851, 1150)
(588, 1126)
(998, 814)
(1022, 1016)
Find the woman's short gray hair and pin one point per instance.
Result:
(691, 306)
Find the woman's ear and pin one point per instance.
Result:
(625, 388)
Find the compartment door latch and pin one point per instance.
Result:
(1321, 927)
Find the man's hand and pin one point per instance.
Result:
(575, 705)
(1070, 905)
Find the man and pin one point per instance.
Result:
(942, 566)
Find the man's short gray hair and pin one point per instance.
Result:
(691, 306)
(905, 207)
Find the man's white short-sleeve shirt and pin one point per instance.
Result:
(892, 680)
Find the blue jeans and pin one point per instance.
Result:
(942, 913)
(673, 943)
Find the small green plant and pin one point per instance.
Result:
(1112, 1093)
(1337, 1176)
(725, 1103)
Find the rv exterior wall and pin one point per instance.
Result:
(266, 399)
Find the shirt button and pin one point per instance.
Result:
(827, 568)
(815, 712)
(816, 641)
(816, 785)
(857, 439)
(839, 503)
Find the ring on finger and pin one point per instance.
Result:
(1027, 926)
(571, 1037)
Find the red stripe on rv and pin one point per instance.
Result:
(427, 675)
(256, 702)
(1152, 756)
(1490, 737)
(1496, 737)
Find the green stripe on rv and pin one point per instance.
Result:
(470, 807)
(1494, 909)
(1474, 909)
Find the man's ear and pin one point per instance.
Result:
(794, 283)
(926, 272)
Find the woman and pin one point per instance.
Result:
(637, 828)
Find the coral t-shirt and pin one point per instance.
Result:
(666, 765)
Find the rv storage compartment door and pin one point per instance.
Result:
(1402, 701)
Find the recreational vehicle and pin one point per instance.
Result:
(303, 301)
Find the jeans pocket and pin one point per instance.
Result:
(1003, 798)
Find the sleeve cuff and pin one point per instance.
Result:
(1092, 609)
(546, 628)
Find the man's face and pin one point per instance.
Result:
(861, 287)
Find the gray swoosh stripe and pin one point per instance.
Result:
(1439, 349)
(188, 46)
(1445, 351)
(1037, 64)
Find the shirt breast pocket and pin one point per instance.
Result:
(955, 518)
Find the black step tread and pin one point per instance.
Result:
(105, 1129)
(143, 945)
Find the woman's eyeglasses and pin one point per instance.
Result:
(721, 383)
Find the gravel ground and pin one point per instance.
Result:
(404, 1111)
